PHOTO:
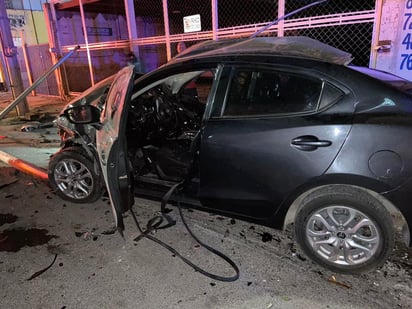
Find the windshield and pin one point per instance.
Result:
(92, 95)
(97, 90)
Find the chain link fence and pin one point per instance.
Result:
(343, 29)
(180, 9)
(347, 25)
(329, 7)
(232, 14)
(149, 18)
(353, 38)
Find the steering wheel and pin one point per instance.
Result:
(163, 107)
(162, 110)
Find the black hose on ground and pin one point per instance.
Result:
(155, 224)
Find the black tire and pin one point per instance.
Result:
(320, 218)
(72, 176)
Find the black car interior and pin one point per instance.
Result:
(163, 125)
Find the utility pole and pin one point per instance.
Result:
(10, 54)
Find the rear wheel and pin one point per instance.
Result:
(344, 229)
(73, 177)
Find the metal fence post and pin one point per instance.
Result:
(281, 12)
(132, 29)
(167, 29)
(86, 41)
(54, 48)
(215, 19)
(26, 61)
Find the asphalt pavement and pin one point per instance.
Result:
(68, 255)
(56, 254)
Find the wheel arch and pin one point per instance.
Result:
(291, 206)
(80, 154)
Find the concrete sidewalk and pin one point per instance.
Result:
(30, 151)
(43, 110)
(39, 105)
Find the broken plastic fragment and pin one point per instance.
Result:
(332, 279)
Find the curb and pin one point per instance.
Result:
(24, 166)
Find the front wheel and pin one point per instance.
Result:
(73, 177)
(344, 229)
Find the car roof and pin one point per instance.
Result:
(293, 46)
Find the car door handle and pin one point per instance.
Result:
(309, 143)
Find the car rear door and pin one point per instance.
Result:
(268, 140)
(112, 148)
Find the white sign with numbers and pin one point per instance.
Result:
(404, 57)
(192, 23)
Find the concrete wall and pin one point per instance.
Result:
(104, 28)
(101, 28)
(395, 55)
(31, 23)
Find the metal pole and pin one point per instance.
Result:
(167, 30)
(132, 29)
(26, 61)
(5, 78)
(86, 40)
(22, 96)
(12, 64)
(281, 12)
(215, 20)
(51, 23)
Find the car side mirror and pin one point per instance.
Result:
(84, 114)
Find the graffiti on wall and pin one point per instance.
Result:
(17, 21)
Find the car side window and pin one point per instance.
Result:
(262, 92)
(330, 95)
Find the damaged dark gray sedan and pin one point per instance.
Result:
(277, 131)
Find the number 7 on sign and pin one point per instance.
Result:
(406, 24)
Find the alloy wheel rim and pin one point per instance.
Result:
(73, 179)
(343, 235)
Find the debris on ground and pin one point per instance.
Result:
(7, 219)
(333, 280)
(88, 235)
(38, 273)
(8, 177)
